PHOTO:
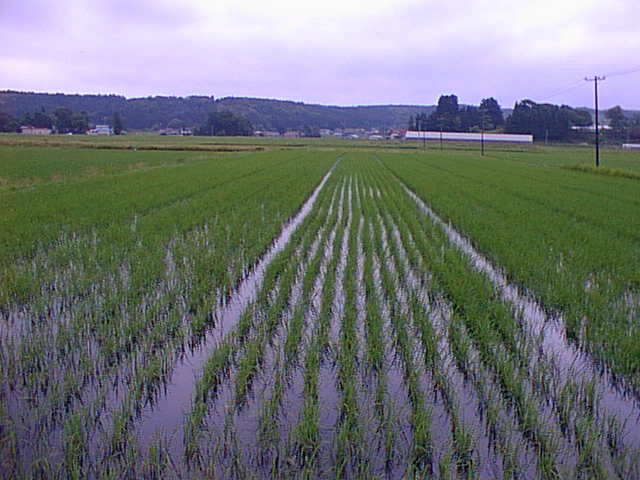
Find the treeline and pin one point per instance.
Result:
(240, 116)
(280, 115)
(555, 123)
(136, 113)
(225, 123)
(62, 120)
(153, 113)
(451, 117)
(544, 121)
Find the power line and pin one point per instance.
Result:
(570, 88)
(624, 72)
(576, 85)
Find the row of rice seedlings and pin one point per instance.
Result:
(521, 400)
(567, 246)
(399, 216)
(330, 314)
(123, 426)
(427, 350)
(307, 434)
(590, 462)
(421, 457)
(384, 397)
(296, 334)
(297, 438)
(471, 446)
(82, 354)
(220, 360)
(228, 442)
(128, 212)
(379, 410)
(472, 305)
(376, 359)
(380, 413)
(501, 427)
(247, 334)
(280, 361)
(351, 457)
(93, 395)
(434, 333)
(436, 351)
(96, 367)
(148, 276)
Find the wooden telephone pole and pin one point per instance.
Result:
(595, 79)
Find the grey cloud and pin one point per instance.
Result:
(409, 53)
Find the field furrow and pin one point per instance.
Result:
(313, 314)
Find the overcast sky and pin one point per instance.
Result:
(339, 52)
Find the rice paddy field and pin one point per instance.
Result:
(328, 310)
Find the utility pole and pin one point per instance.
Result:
(482, 136)
(595, 81)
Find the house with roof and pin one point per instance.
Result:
(31, 130)
(101, 130)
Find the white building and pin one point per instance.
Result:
(101, 130)
(468, 137)
(30, 130)
(266, 133)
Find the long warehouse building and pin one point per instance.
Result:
(468, 137)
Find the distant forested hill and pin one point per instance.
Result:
(137, 113)
(160, 112)
(267, 114)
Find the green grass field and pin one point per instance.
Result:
(307, 309)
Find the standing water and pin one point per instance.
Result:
(571, 362)
(166, 415)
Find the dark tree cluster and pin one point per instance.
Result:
(451, 117)
(66, 121)
(138, 113)
(8, 124)
(62, 120)
(546, 121)
(623, 126)
(225, 123)
(154, 113)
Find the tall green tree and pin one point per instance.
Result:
(226, 123)
(8, 123)
(617, 121)
(79, 122)
(63, 119)
(492, 113)
(543, 120)
(447, 115)
(117, 124)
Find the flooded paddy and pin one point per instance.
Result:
(367, 338)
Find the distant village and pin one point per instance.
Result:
(350, 133)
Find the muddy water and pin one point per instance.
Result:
(167, 414)
(571, 362)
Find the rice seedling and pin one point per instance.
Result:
(252, 316)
